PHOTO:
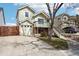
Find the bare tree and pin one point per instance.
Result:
(52, 16)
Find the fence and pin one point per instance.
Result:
(9, 30)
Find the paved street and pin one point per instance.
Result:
(29, 46)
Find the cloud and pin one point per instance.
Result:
(10, 24)
(40, 7)
(77, 10)
(36, 6)
(68, 5)
(15, 4)
(72, 7)
(18, 4)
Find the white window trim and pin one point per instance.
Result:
(43, 20)
(25, 14)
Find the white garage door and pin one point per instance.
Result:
(28, 30)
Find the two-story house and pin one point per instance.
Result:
(30, 22)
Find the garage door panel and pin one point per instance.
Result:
(28, 30)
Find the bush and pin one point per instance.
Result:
(44, 34)
(57, 43)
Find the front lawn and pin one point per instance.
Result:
(56, 42)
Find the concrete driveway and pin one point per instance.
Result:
(27, 46)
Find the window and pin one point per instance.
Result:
(21, 25)
(64, 18)
(58, 18)
(25, 25)
(30, 26)
(47, 20)
(40, 21)
(26, 14)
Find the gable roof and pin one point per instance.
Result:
(26, 21)
(23, 7)
(43, 13)
(26, 6)
(63, 14)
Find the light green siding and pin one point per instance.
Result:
(21, 14)
(26, 27)
(45, 24)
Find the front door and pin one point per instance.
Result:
(40, 30)
(43, 30)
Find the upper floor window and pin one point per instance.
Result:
(21, 25)
(26, 14)
(40, 21)
(65, 18)
(59, 18)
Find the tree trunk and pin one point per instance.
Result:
(50, 29)
(52, 18)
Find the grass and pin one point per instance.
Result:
(57, 43)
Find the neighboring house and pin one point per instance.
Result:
(64, 21)
(2, 18)
(31, 23)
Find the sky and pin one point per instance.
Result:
(10, 10)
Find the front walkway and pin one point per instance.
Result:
(29, 46)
